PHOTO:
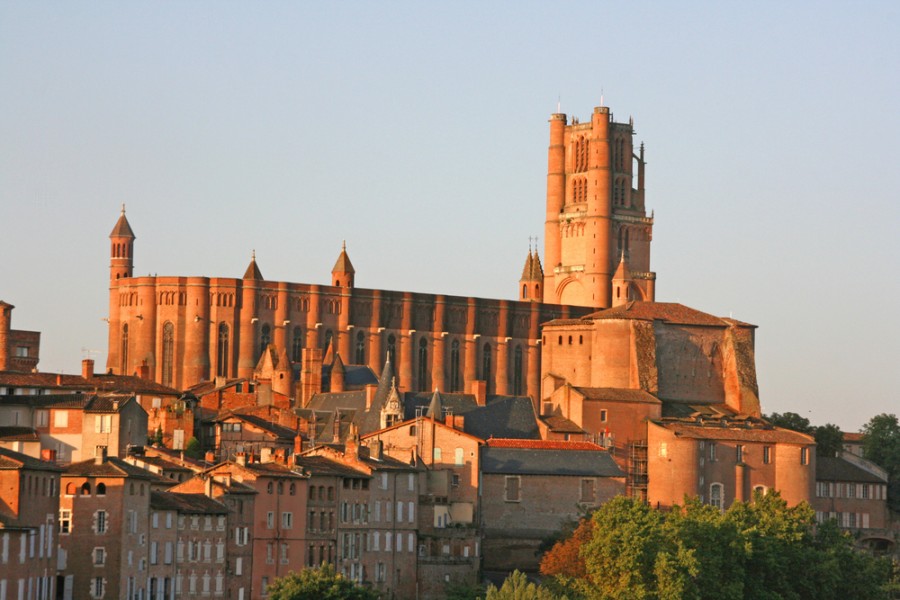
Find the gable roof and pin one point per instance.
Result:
(833, 468)
(10, 459)
(99, 382)
(113, 466)
(186, 503)
(548, 461)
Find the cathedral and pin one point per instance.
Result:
(180, 331)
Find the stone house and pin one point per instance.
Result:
(532, 489)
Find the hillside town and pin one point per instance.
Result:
(244, 428)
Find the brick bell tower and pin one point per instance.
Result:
(121, 265)
(595, 212)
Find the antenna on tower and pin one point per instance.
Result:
(601, 95)
(558, 104)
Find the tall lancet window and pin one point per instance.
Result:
(222, 355)
(168, 351)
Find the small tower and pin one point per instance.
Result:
(532, 280)
(337, 375)
(5, 323)
(121, 250)
(253, 271)
(343, 272)
(621, 283)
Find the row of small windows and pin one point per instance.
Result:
(579, 190)
(559, 340)
(73, 489)
(39, 486)
(172, 298)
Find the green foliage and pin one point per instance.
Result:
(881, 445)
(764, 550)
(791, 420)
(192, 449)
(157, 438)
(517, 587)
(463, 591)
(829, 440)
(322, 583)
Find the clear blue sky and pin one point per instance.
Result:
(418, 133)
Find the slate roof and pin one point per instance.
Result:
(669, 312)
(547, 461)
(501, 416)
(832, 468)
(186, 503)
(10, 459)
(560, 424)
(618, 395)
(112, 403)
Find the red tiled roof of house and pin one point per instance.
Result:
(618, 395)
(542, 444)
(99, 382)
(854, 438)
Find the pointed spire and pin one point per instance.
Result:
(537, 270)
(343, 264)
(122, 228)
(338, 365)
(253, 271)
(623, 273)
(384, 383)
(435, 407)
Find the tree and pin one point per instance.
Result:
(790, 420)
(564, 558)
(829, 440)
(322, 583)
(881, 445)
(517, 587)
(192, 449)
(763, 549)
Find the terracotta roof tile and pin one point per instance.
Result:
(656, 311)
(10, 459)
(715, 431)
(618, 395)
(543, 444)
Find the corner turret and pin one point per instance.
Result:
(532, 280)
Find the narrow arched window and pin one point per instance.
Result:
(486, 366)
(101, 489)
(517, 371)
(168, 351)
(454, 367)
(360, 348)
(297, 345)
(422, 371)
(222, 356)
(716, 495)
(124, 351)
(85, 489)
(328, 337)
(265, 338)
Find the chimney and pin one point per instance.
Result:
(376, 449)
(48, 455)
(241, 459)
(351, 446)
(448, 420)
(87, 368)
(144, 370)
(208, 487)
(210, 456)
(459, 422)
(370, 394)
(298, 444)
(479, 390)
(59, 379)
(265, 455)
(100, 455)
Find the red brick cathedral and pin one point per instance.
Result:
(183, 330)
